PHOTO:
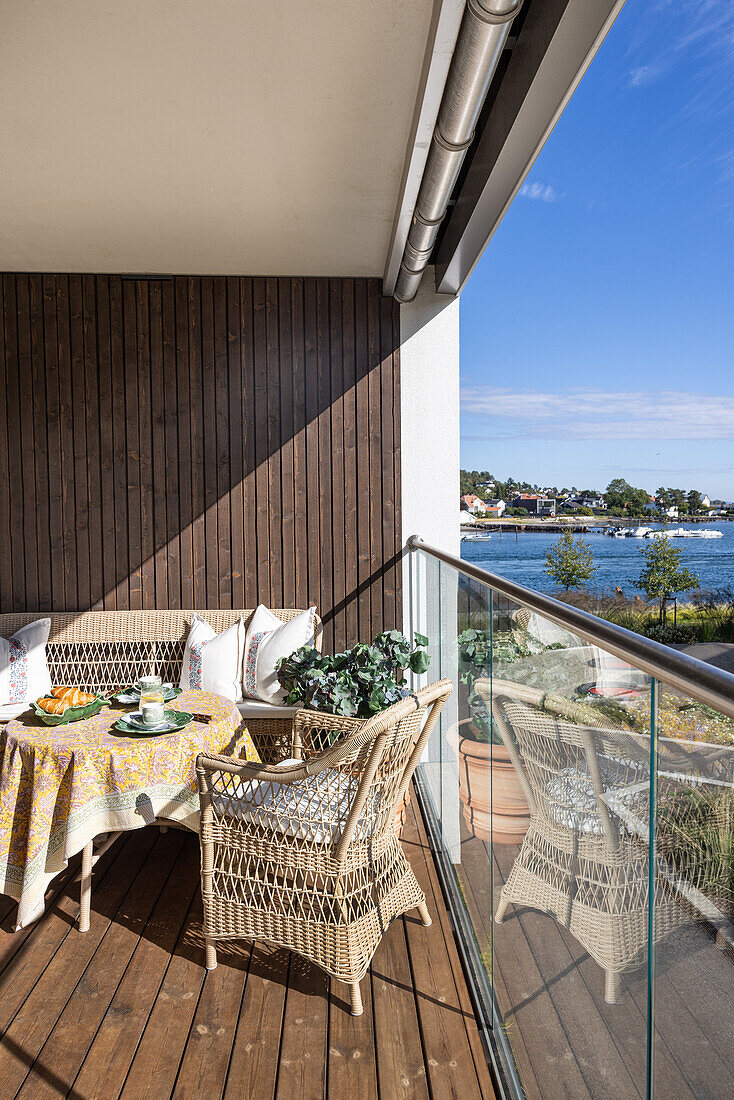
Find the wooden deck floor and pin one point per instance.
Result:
(567, 1042)
(127, 1009)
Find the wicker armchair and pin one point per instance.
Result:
(303, 854)
(584, 858)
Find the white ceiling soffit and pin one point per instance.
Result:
(233, 136)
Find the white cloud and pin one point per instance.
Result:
(542, 192)
(592, 414)
(644, 74)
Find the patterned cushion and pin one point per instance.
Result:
(212, 662)
(316, 809)
(269, 639)
(24, 671)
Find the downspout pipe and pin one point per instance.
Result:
(484, 28)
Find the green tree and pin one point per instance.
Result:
(663, 575)
(694, 501)
(570, 562)
(620, 494)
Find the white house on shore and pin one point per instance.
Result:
(670, 511)
(471, 503)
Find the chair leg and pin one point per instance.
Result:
(356, 999)
(210, 955)
(424, 915)
(611, 987)
(501, 910)
(85, 903)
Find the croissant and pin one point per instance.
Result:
(73, 697)
(53, 706)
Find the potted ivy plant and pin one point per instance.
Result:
(494, 803)
(358, 683)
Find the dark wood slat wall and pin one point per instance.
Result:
(200, 442)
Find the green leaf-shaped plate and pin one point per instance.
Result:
(177, 719)
(71, 714)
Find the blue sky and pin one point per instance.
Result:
(598, 329)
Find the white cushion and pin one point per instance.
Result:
(295, 809)
(268, 639)
(24, 674)
(11, 710)
(212, 662)
(255, 708)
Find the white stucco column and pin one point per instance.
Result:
(429, 416)
(429, 456)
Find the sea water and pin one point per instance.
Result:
(520, 556)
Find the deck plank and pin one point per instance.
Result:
(36, 1017)
(157, 1059)
(64, 1051)
(352, 1063)
(302, 1070)
(418, 849)
(110, 1056)
(401, 1069)
(205, 1062)
(253, 1068)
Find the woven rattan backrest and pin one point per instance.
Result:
(99, 650)
(397, 737)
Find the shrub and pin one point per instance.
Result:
(357, 683)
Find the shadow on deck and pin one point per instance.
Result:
(128, 1010)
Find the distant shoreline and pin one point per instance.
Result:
(583, 524)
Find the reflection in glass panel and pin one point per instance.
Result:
(694, 966)
(571, 895)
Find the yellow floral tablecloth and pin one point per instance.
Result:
(60, 786)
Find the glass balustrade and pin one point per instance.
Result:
(583, 815)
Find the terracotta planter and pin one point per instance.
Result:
(495, 807)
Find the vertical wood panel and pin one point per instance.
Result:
(6, 556)
(313, 511)
(159, 488)
(326, 501)
(260, 426)
(249, 495)
(183, 404)
(273, 443)
(29, 546)
(40, 438)
(121, 596)
(107, 414)
(66, 412)
(89, 399)
(351, 477)
(363, 463)
(197, 442)
(166, 468)
(198, 497)
(300, 479)
(287, 474)
(337, 487)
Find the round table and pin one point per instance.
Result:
(60, 786)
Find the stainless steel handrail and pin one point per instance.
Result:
(703, 682)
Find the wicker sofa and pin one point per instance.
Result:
(106, 650)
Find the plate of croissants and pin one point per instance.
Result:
(67, 704)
